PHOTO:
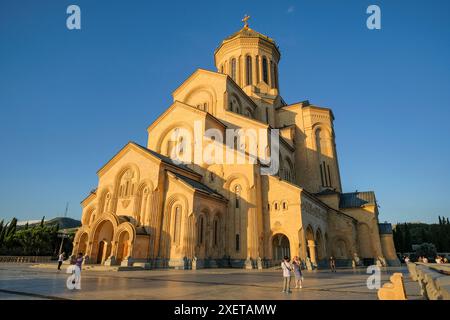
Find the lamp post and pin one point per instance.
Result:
(62, 235)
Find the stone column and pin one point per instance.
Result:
(241, 71)
(312, 251)
(254, 74)
(260, 68)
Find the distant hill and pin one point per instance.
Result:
(64, 223)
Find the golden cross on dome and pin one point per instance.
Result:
(245, 20)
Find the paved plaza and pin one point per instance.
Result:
(25, 281)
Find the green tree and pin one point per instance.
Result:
(407, 238)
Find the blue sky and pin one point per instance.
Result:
(69, 100)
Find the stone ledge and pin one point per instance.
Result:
(433, 281)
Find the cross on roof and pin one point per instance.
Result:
(245, 21)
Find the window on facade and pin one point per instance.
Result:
(205, 107)
(237, 191)
(177, 225)
(233, 69)
(284, 205)
(216, 229)
(237, 243)
(329, 176)
(249, 70)
(265, 73)
(276, 206)
(268, 206)
(322, 175)
(200, 231)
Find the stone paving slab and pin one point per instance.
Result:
(23, 281)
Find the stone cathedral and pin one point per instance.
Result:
(151, 211)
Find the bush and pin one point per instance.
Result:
(426, 250)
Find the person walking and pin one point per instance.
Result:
(332, 264)
(287, 268)
(78, 264)
(60, 260)
(297, 267)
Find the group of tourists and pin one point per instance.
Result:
(296, 268)
(423, 259)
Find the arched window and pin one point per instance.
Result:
(177, 225)
(233, 69)
(205, 107)
(126, 184)
(249, 70)
(216, 230)
(265, 73)
(200, 230)
(237, 191)
(221, 69)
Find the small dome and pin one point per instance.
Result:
(247, 32)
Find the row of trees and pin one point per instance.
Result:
(408, 234)
(38, 239)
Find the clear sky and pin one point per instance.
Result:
(69, 100)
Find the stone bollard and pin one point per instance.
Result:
(393, 290)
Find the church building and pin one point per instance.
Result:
(152, 210)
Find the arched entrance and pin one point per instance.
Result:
(123, 246)
(311, 245)
(102, 242)
(319, 246)
(82, 245)
(280, 248)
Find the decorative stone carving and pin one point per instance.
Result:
(310, 208)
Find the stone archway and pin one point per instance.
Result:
(123, 246)
(102, 242)
(320, 246)
(83, 242)
(280, 247)
(311, 245)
